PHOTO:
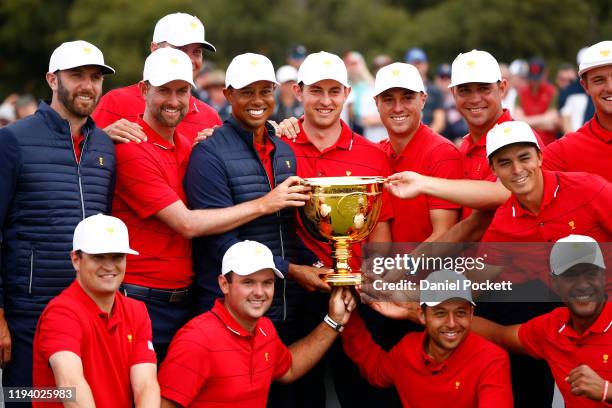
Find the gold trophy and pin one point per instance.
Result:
(342, 211)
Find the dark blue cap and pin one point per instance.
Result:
(415, 54)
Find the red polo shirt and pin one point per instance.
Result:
(588, 149)
(149, 177)
(128, 103)
(544, 98)
(429, 154)
(474, 154)
(573, 203)
(351, 155)
(477, 373)
(214, 362)
(550, 337)
(108, 345)
(264, 151)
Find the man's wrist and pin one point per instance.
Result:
(337, 327)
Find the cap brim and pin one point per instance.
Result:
(92, 251)
(164, 81)
(432, 304)
(587, 69)
(105, 68)
(209, 46)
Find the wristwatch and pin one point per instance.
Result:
(336, 326)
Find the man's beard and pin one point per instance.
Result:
(170, 122)
(77, 108)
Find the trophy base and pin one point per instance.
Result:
(343, 279)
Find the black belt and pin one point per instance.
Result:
(166, 295)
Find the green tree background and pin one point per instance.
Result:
(552, 29)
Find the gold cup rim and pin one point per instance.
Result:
(343, 180)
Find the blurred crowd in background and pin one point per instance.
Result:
(550, 99)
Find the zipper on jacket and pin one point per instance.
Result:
(280, 228)
(78, 163)
(31, 271)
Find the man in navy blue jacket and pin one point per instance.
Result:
(56, 169)
(244, 161)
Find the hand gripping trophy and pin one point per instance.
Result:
(342, 211)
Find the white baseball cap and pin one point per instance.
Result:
(573, 250)
(102, 234)
(475, 66)
(248, 68)
(322, 65)
(595, 56)
(286, 73)
(507, 133)
(247, 257)
(167, 64)
(450, 279)
(398, 75)
(181, 29)
(78, 53)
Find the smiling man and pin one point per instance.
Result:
(229, 356)
(119, 109)
(443, 366)
(574, 340)
(56, 168)
(413, 146)
(150, 199)
(91, 337)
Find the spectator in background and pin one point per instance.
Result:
(7, 110)
(455, 127)
(536, 103)
(433, 113)
(361, 82)
(574, 105)
(379, 61)
(566, 74)
(287, 105)
(213, 87)
(25, 106)
(200, 80)
(296, 56)
(515, 75)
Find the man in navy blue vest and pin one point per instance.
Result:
(56, 169)
(241, 162)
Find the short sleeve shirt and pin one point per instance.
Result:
(149, 179)
(550, 337)
(429, 154)
(214, 362)
(108, 345)
(351, 155)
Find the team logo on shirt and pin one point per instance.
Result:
(101, 160)
(605, 358)
(129, 337)
(572, 225)
(348, 172)
(267, 356)
(457, 385)
(288, 164)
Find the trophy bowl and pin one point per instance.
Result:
(342, 211)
